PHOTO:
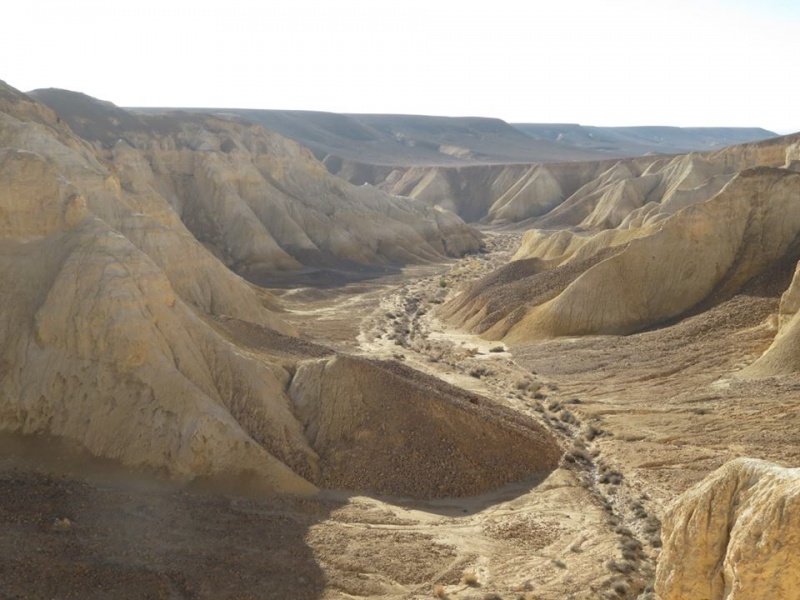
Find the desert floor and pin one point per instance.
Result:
(640, 418)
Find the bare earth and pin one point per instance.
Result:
(639, 418)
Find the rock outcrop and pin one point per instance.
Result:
(734, 536)
(783, 355)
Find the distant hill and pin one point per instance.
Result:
(638, 141)
(407, 140)
(420, 140)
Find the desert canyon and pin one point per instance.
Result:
(284, 354)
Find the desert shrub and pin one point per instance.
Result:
(623, 531)
(497, 349)
(631, 549)
(568, 417)
(620, 588)
(578, 454)
(620, 567)
(611, 477)
(652, 525)
(590, 432)
(478, 372)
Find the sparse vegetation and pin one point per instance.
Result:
(567, 417)
(631, 549)
(479, 372)
(620, 588)
(470, 578)
(620, 567)
(611, 477)
(591, 432)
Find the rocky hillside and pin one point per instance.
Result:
(260, 202)
(120, 242)
(733, 536)
(521, 193)
(641, 243)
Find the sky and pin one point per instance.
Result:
(595, 62)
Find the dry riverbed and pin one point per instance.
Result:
(639, 419)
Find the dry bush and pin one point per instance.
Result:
(611, 477)
(620, 567)
(568, 417)
(478, 372)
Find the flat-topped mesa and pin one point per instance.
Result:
(734, 536)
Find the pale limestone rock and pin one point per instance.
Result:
(734, 536)
(109, 329)
(716, 245)
(262, 203)
(783, 355)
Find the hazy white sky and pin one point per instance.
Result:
(595, 62)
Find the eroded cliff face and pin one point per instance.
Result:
(734, 536)
(628, 251)
(100, 349)
(262, 203)
(116, 254)
(590, 194)
(783, 355)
